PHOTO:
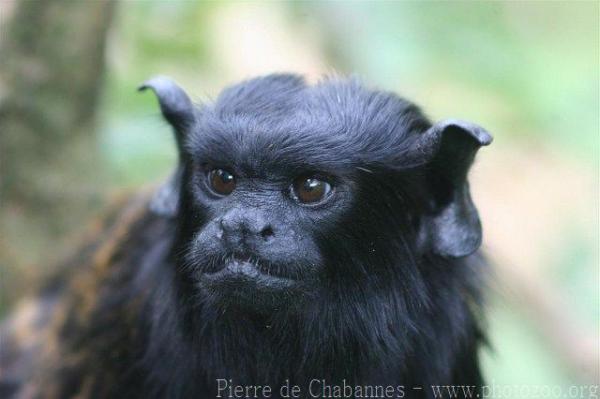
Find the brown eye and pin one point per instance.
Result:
(310, 190)
(221, 181)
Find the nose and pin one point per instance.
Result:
(244, 228)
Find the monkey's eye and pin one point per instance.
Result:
(310, 190)
(221, 181)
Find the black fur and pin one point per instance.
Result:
(380, 285)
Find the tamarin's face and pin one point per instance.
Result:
(268, 203)
(288, 192)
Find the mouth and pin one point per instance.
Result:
(243, 270)
(257, 284)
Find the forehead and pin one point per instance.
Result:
(278, 123)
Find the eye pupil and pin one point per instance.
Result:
(309, 190)
(221, 181)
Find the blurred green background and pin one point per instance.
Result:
(527, 71)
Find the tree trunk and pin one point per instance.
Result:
(51, 68)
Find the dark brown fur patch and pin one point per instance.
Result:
(37, 335)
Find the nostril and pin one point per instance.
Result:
(267, 232)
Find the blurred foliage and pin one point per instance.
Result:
(526, 69)
(538, 59)
(568, 271)
(517, 354)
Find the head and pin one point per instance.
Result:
(287, 193)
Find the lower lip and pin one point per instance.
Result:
(243, 271)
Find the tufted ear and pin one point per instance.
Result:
(452, 227)
(178, 110)
(175, 105)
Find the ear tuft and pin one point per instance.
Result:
(452, 227)
(479, 134)
(179, 111)
(176, 106)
